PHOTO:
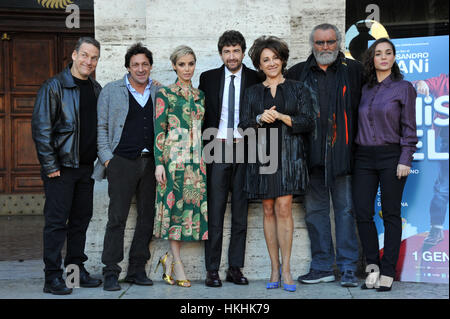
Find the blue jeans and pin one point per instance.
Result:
(317, 202)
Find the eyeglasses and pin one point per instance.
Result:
(322, 43)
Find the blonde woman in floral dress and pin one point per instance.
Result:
(181, 205)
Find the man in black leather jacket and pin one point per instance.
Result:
(64, 129)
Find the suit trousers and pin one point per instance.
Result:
(377, 165)
(223, 178)
(126, 178)
(67, 212)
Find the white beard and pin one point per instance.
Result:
(326, 57)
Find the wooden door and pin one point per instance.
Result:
(26, 61)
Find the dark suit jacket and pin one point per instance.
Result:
(212, 83)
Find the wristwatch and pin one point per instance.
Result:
(258, 119)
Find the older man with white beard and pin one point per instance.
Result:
(337, 82)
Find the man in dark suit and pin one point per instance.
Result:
(224, 91)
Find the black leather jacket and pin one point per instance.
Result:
(299, 104)
(55, 124)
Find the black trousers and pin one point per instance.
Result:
(67, 213)
(223, 178)
(127, 178)
(377, 165)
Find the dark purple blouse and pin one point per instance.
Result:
(387, 115)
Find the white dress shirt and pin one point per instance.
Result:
(223, 124)
(140, 98)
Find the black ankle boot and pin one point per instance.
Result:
(57, 286)
(111, 283)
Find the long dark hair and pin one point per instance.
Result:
(370, 73)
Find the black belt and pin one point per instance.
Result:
(146, 154)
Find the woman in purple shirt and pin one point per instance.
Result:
(386, 141)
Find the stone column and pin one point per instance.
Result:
(118, 24)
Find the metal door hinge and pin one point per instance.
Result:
(5, 36)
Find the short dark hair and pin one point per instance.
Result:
(135, 49)
(231, 38)
(275, 44)
(370, 73)
(88, 40)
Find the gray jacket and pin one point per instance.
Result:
(112, 111)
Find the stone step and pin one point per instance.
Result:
(257, 262)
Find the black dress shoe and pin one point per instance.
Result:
(87, 281)
(111, 283)
(57, 286)
(213, 279)
(139, 278)
(235, 275)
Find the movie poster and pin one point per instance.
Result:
(424, 251)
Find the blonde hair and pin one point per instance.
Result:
(180, 51)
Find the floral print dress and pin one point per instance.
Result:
(181, 205)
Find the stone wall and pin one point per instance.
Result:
(162, 25)
(257, 262)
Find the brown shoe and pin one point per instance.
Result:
(235, 275)
(213, 279)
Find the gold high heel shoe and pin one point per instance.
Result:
(182, 283)
(167, 278)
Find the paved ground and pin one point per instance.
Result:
(24, 280)
(21, 237)
(21, 277)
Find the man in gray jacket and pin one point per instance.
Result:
(125, 138)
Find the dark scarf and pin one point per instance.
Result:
(338, 144)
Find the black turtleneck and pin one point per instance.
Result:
(88, 122)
